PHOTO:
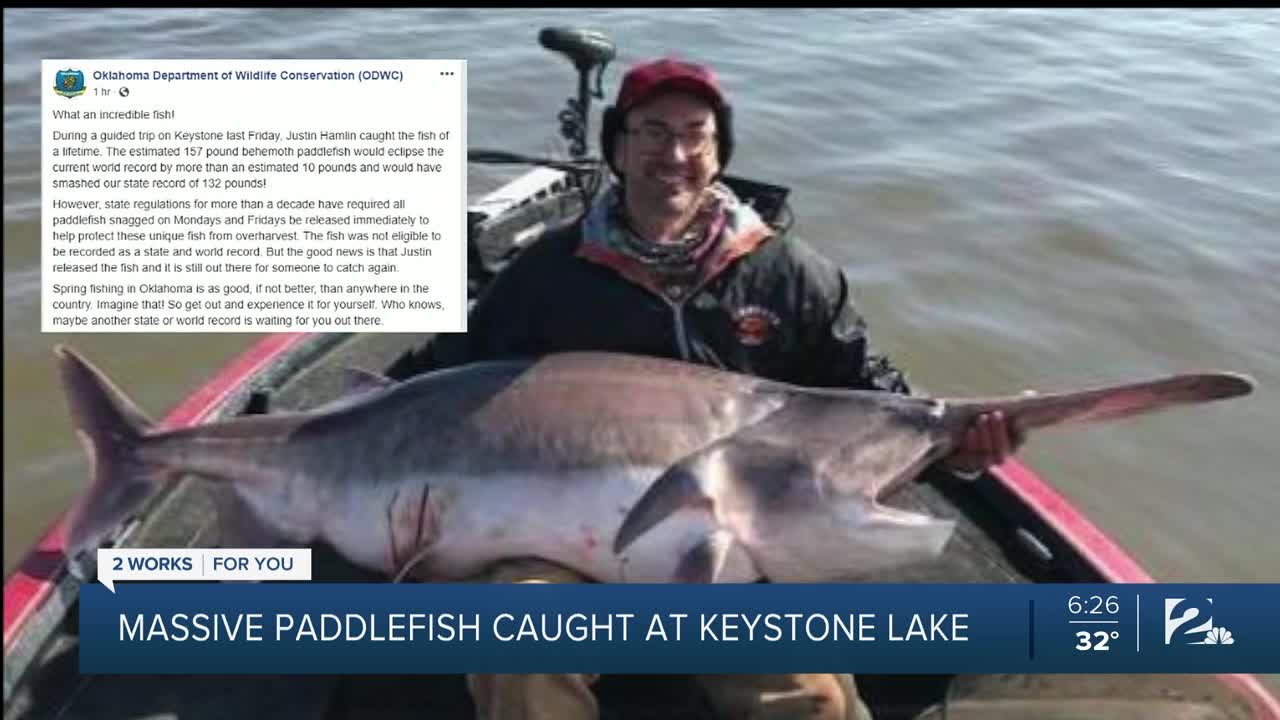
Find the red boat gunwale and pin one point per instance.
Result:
(31, 584)
(1111, 561)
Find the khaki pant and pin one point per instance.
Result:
(734, 697)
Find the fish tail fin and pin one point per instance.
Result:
(1034, 411)
(111, 428)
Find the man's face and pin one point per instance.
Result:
(668, 153)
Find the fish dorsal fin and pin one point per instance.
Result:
(357, 384)
(358, 381)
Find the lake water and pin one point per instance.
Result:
(1023, 199)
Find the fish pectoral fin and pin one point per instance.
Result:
(734, 479)
(704, 562)
(675, 489)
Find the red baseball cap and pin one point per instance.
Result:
(641, 81)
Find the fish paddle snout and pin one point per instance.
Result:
(1115, 402)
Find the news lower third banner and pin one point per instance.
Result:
(316, 628)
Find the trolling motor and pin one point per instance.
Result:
(586, 49)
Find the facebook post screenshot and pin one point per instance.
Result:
(589, 363)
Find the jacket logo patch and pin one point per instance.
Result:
(754, 324)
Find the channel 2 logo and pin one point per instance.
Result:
(1191, 623)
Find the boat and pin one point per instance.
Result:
(1013, 527)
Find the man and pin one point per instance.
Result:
(669, 262)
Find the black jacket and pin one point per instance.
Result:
(777, 309)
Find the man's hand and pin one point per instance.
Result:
(989, 441)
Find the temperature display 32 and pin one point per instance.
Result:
(1096, 621)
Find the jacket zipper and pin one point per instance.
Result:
(677, 309)
(682, 341)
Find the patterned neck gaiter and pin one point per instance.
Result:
(677, 261)
(722, 229)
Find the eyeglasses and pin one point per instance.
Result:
(654, 137)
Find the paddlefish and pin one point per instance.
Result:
(622, 468)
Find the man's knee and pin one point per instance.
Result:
(765, 697)
(532, 696)
(530, 570)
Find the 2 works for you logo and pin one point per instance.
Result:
(1188, 622)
